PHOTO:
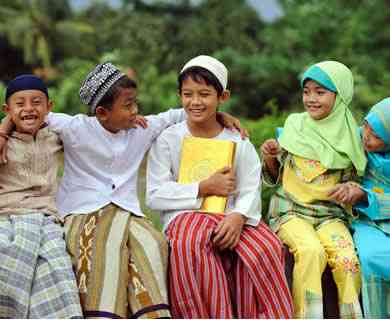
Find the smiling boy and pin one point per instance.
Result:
(36, 276)
(221, 265)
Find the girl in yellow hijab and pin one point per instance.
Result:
(317, 150)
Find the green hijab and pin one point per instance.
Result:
(334, 140)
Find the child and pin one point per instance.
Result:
(36, 276)
(220, 265)
(316, 150)
(372, 229)
(120, 260)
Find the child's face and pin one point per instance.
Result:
(28, 110)
(200, 101)
(123, 112)
(371, 142)
(317, 100)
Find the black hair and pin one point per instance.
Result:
(198, 74)
(122, 83)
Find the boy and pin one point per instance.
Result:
(120, 260)
(221, 266)
(36, 276)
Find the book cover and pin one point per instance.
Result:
(200, 158)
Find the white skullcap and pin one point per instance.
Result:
(216, 67)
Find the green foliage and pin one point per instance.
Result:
(42, 29)
(66, 94)
(157, 92)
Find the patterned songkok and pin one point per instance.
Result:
(97, 83)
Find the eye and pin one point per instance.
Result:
(321, 92)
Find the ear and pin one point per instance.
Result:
(225, 96)
(6, 108)
(50, 105)
(101, 113)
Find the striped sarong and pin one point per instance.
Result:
(36, 276)
(247, 282)
(120, 262)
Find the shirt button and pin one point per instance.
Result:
(113, 186)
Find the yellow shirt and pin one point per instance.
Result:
(308, 180)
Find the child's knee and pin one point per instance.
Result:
(346, 262)
(311, 252)
(191, 242)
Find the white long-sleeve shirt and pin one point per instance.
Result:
(164, 194)
(101, 167)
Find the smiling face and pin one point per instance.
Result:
(200, 101)
(123, 112)
(28, 109)
(371, 142)
(317, 100)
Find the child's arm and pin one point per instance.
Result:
(158, 123)
(348, 193)
(269, 151)
(6, 128)
(164, 193)
(246, 207)
(232, 123)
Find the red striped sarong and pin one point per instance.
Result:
(204, 282)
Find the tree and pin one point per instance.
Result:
(42, 29)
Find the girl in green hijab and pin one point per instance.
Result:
(317, 150)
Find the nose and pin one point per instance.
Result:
(28, 106)
(134, 109)
(195, 100)
(312, 97)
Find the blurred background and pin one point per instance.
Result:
(265, 44)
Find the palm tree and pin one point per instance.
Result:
(39, 27)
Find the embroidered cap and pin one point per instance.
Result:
(216, 67)
(97, 83)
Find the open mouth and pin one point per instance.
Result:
(197, 111)
(29, 119)
(313, 108)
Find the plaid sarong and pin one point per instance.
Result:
(36, 276)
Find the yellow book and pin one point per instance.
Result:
(200, 158)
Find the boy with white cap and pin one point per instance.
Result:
(221, 266)
(36, 276)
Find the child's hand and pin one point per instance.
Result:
(232, 123)
(228, 231)
(347, 193)
(141, 121)
(221, 183)
(3, 149)
(270, 148)
(340, 193)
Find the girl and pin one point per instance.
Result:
(372, 200)
(316, 150)
(221, 266)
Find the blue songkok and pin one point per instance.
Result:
(25, 82)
